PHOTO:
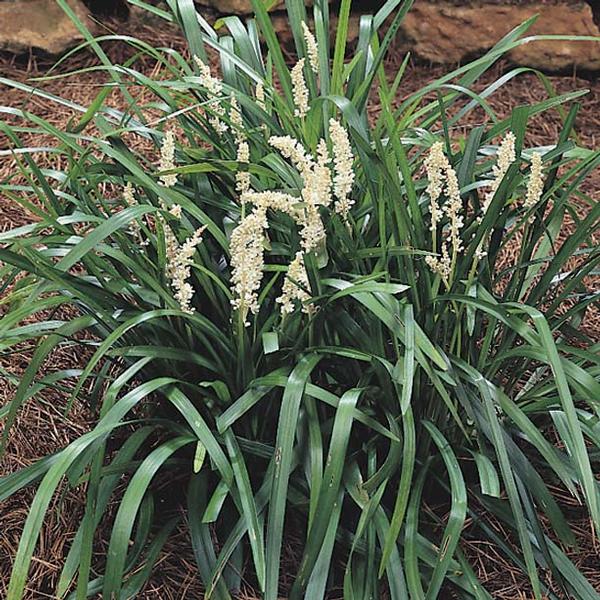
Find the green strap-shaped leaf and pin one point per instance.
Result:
(128, 511)
(255, 531)
(456, 518)
(286, 433)
(329, 489)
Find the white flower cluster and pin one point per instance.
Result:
(214, 87)
(259, 93)
(179, 259)
(128, 194)
(242, 178)
(300, 89)
(317, 182)
(171, 243)
(535, 185)
(319, 176)
(435, 165)
(179, 268)
(293, 150)
(312, 48)
(247, 261)
(316, 192)
(247, 247)
(505, 158)
(343, 160)
(454, 209)
(277, 201)
(247, 257)
(167, 159)
(440, 171)
(441, 265)
(295, 287)
(237, 121)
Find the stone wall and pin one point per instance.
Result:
(444, 31)
(451, 31)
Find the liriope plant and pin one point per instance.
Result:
(307, 317)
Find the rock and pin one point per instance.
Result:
(240, 7)
(453, 31)
(281, 25)
(41, 24)
(443, 32)
(231, 7)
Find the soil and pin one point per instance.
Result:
(42, 426)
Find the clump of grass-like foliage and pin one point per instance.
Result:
(308, 317)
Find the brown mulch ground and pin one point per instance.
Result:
(42, 427)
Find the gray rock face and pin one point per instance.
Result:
(40, 24)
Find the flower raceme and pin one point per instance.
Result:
(435, 166)
(259, 93)
(505, 158)
(301, 94)
(179, 259)
(312, 48)
(343, 160)
(535, 185)
(439, 171)
(295, 287)
(214, 89)
(316, 179)
(242, 178)
(179, 268)
(247, 262)
(179, 256)
(323, 177)
(442, 179)
(167, 159)
(135, 228)
(330, 175)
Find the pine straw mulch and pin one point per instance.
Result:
(42, 426)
